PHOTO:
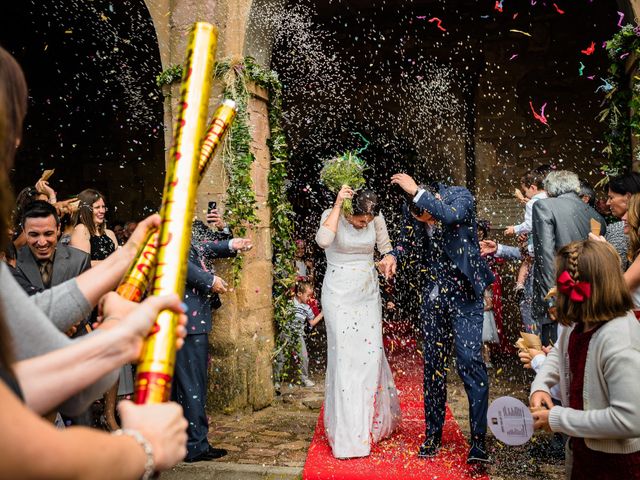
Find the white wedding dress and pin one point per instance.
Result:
(361, 402)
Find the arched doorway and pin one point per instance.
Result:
(95, 113)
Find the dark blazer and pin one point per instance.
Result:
(556, 221)
(68, 263)
(456, 212)
(199, 298)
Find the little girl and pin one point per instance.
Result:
(303, 314)
(596, 363)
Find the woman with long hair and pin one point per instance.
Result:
(90, 233)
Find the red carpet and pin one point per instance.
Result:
(395, 457)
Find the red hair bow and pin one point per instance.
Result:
(577, 291)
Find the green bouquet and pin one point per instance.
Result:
(345, 169)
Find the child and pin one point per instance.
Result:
(595, 362)
(303, 294)
(532, 186)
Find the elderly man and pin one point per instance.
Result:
(558, 220)
(43, 263)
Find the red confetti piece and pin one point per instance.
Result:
(439, 23)
(561, 12)
(498, 5)
(590, 50)
(539, 116)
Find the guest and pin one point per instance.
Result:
(43, 263)
(303, 315)
(90, 233)
(621, 188)
(557, 221)
(202, 298)
(594, 362)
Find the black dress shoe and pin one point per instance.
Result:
(207, 455)
(429, 448)
(478, 454)
(217, 452)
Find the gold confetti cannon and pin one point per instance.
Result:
(155, 371)
(138, 276)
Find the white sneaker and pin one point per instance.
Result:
(307, 383)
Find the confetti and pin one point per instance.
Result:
(520, 31)
(498, 5)
(438, 23)
(539, 116)
(590, 49)
(581, 70)
(515, 55)
(621, 15)
(561, 12)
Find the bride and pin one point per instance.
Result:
(361, 402)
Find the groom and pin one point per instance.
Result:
(440, 228)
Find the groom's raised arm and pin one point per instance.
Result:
(448, 213)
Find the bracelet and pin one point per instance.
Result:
(149, 464)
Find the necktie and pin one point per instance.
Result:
(45, 272)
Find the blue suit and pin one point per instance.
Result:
(190, 377)
(455, 277)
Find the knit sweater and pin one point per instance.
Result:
(610, 421)
(37, 323)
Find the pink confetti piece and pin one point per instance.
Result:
(438, 23)
(561, 12)
(515, 55)
(539, 116)
(621, 15)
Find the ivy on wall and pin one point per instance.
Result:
(622, 102)
(240, 209)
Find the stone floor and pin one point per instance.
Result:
(272, 443)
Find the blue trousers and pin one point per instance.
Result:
(190, 390)
(454, 318)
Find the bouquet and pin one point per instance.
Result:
(345, 169)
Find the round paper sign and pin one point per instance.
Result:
(510, 421)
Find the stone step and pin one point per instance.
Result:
(231, 471)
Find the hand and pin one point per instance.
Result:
(527, 356)
(510, 231)
(241, 244)
(388, 266)
(345, 192)
(164, 427)
(139, 235)
(523, 238)
(541, 419)
(42, 186)
(597, 238)
(219, 285)
(215, 218)
(488, 247)
(540, 399)
(391, 306)
(113, 305)
(405, 182)
(135, 326)
(552, 312)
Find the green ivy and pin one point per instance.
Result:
(622, 102)
(241, 199)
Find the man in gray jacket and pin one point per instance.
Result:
(558, 220)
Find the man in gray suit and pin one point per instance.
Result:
(558, 220)
(43, 263)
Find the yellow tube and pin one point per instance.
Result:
(155, 371)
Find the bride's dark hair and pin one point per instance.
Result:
(365, 202)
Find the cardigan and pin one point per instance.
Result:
(37, 323)
(610, 421)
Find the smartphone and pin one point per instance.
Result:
(212, 206)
